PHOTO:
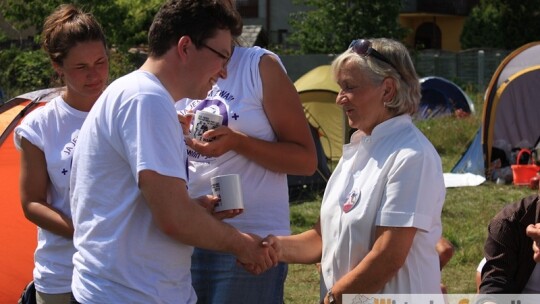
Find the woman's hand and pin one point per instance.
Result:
(223, 138)
(185, 121)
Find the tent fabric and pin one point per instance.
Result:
(318, 91)
(453, 180)
(518, 109)
(511, 111)
(298, 183)
(441, 97)
(18, 236)
(472, 161)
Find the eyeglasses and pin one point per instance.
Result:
(224, 57)
(363, 48)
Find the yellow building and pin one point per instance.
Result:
(435, 24)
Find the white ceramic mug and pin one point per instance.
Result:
(204, 121)
(229, 190)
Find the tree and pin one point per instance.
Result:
(332, 25)
(28, 70)
(140, 14)
(506, 24)
(124, 22)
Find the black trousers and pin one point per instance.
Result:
(73, 300)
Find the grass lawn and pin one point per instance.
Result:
(465, 216)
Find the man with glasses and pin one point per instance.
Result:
(135, 224)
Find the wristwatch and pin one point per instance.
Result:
(331, 298)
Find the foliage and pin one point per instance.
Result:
(505, 24)
(124, 22)
(32, 13)
(331, 25)
(140, 14)
(24, 71)
(121, 63)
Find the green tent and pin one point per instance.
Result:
(318, 91)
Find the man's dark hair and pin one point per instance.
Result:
(198, 19)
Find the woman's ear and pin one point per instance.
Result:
(389, 86)
(58, 69)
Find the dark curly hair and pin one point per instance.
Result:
(198, 19)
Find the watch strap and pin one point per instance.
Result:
(331, 298)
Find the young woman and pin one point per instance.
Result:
(76, 46)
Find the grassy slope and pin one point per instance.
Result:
(466, 214)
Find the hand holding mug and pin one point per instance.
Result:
(185, 121)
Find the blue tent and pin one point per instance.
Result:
(441, 97)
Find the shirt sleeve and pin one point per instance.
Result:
(151, 136)
(414, 192)
(501, 252)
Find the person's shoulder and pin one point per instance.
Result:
(515, 211)
(136, 83)
(254, 53)
(44, 113)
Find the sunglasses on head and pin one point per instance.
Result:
(363, 48)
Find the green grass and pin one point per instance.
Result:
(465, 216)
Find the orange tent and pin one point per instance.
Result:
(18, 236)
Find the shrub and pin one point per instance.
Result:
(24, 71)
(29, 70)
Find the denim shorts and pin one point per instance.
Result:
(217, 279)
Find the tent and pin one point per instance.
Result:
(327, 122)
(18, 236)
(442, 97)
(318, 91)
(511, 113)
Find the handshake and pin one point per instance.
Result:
(260, 255)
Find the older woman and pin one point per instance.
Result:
(380, 214)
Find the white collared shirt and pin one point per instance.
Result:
(392, 178)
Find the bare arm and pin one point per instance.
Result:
(294, 152)
(34, 181)
(184, 220)
(303, 248)
(392, 245)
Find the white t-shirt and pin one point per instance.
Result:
(53, 129)
(238, 98)
(122, 256)
(481, 265)
(392, 178)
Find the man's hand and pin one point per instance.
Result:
(272, 242)
(533, 231)
(209, 202)
(258, 256)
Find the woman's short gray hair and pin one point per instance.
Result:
(408, 93)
